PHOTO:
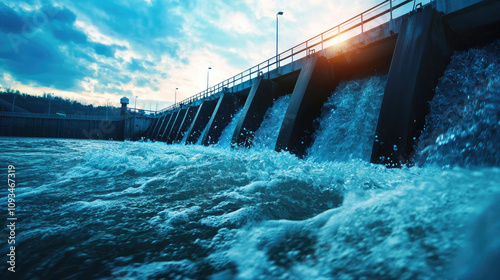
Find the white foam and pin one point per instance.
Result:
(409, 231)
(267, 134)
(348, 121)
(170, 269)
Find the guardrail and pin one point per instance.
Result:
(356, 25)
(142, 112)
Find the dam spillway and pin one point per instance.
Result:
(412, 49)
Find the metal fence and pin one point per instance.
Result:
(371, 18)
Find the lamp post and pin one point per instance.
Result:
(278, 14)
(135, 106)
(208, 76)
(175, 97)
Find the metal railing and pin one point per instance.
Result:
(354, 26)
(142, 112)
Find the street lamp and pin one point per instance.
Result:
(208, 76)
(135, 106)
(175, 97)
(278, 14)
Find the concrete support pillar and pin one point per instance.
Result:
(172, 134)
(313, 87)
(186, 123)
(164, 134)
(221, 117)
(258, 101)
(161, 126)
(201, 120)
(420, 57)
(152, 128)
(123, 115)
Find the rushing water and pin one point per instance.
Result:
(349, 119)
(463, 127)
(141, 210)
(267, 134)
(227, 135)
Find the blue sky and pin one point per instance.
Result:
(93, 51)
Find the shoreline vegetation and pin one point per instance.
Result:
(46, 103)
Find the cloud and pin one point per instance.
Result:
(107, 51)
(9, 20)
(135, 65)
(44, 48)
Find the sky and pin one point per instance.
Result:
(99, 51)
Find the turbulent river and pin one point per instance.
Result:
(141, 210)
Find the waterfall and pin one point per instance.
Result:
(227, 134)
(198, 142)
(267, 134)
(348, 121)
(463, 126)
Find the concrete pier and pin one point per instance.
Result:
(221, 117)
(421, 55)
(160, 121)
(186, 123)
(259, 99)
(201, 120)
(312, 89)
(152, 127)
(164, 133)
(162, 124)
(172, 134)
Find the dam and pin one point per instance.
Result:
(209, 197)
(410, 42)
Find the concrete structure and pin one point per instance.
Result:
(124, 101)
(161, 125)
(53, 126)
(201, 120)
(222, 115)
(168, 126)
(413, 48)
(259, 99)
(152, 127)
(25, 124)
(312, 89)
(136, 127)
(420, 57)
(186, 123)
(172, 134)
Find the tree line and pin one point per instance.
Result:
(41, 105)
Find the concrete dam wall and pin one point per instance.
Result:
(412, 49)
(25, 124)
(31, 125)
